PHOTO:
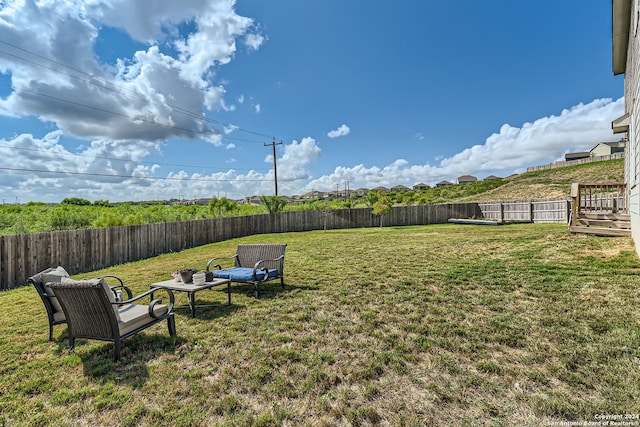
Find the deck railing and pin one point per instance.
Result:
(600, 198)
(599, 206)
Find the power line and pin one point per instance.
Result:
(129, 176)
(111, 86)
(122, 160)
(115, 88)
(103, 110)
(130, 117)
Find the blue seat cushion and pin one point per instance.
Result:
(243, 274)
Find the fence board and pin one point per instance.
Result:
(562, 164)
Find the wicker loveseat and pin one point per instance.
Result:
(252, 263)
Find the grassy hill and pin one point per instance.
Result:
(552, 183)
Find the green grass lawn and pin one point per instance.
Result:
(434, 325)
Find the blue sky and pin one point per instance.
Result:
(158, 99)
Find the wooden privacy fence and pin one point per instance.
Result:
(563, 164)
(80, 251)
(549, 211)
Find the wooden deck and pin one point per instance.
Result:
(600, 209)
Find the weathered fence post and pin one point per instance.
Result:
(575, 203)
(530, 210)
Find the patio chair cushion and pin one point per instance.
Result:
(133, 316)
(105, 285)
(54, 275)
(243, 274)
(58, 316)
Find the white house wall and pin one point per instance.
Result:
(632, 97)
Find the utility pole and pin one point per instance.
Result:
(275, 164)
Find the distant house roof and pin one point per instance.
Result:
(466, 178)
(421, 186)
(616, 144)
(314, 194)
(577, 156)
(443, 183)
(607, 148)
(400, 188)
(490, 177)
(361, 191)
(250, 200)
(616, 147)
(385, 189)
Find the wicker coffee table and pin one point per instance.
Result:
(191, 290)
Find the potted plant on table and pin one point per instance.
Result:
(186, 274)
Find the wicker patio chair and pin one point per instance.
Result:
(252, 263)
(54, 310)
(92, 311)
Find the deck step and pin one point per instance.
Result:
(599, 231)
(605, 216)
(606, 223)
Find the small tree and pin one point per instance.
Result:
(75, 201)
(382, 207)
(104, 203)
(370, 198)
(222, 206)
(273, 203)
(325, 210)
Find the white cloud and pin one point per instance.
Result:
(257, 108)
(296, 159)
(113, 163)
(343, 130)
(135, 97)
(230, 128)
(117, 171)
(545, 140)
(103, 168)
(254, 41)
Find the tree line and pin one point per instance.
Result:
(77, 213)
